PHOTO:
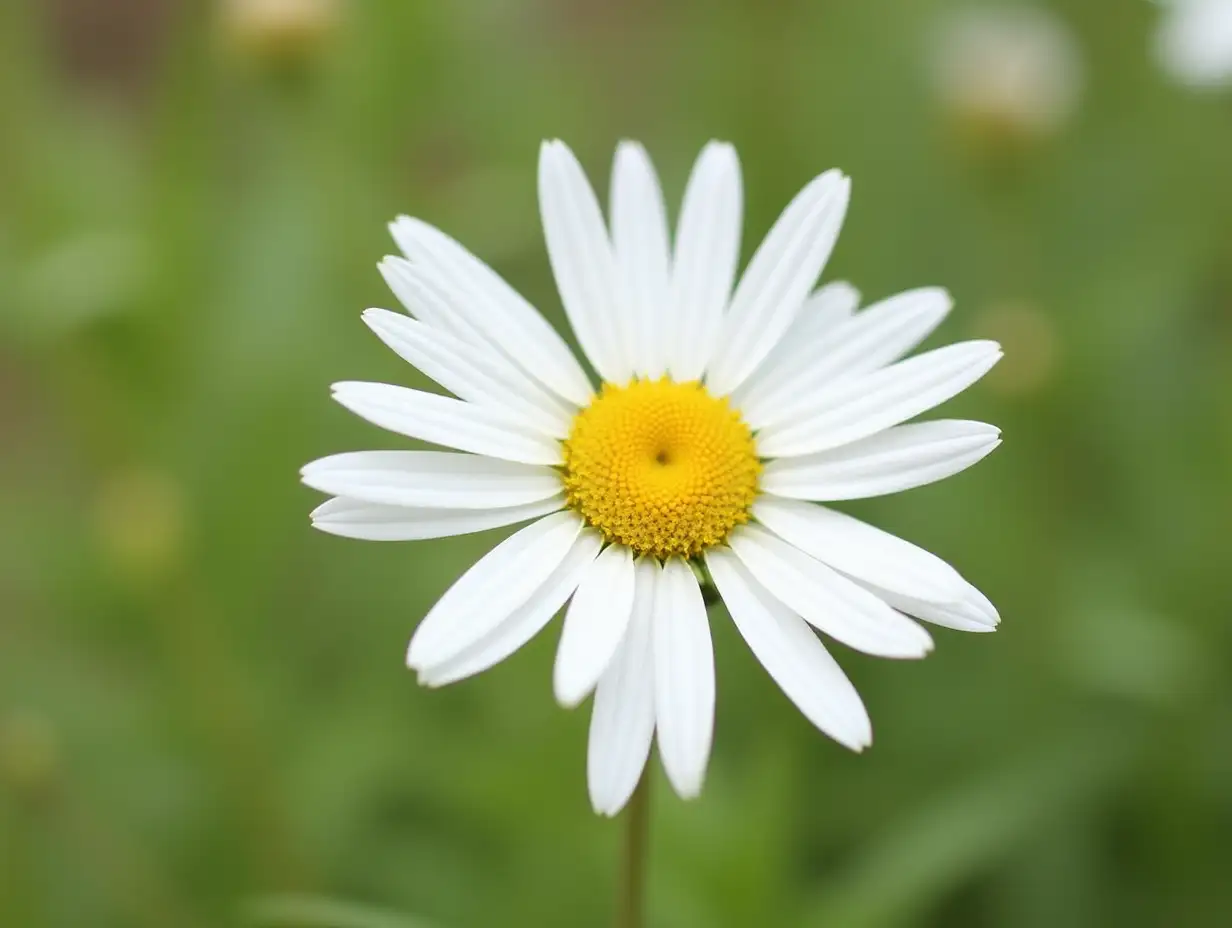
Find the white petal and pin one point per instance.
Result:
(778, 279)
(443, 420)
(825, 308)
(495, 309)
(581, 257)
(594, 624)
(622, 720)
(962, 616)
(351, 518)
(890, 329)
(457, 367)
(436, 479)
(426, 300)
(524, 623)
(825, 599)
(860, 551)
(977, 604)
(879, 335)
(704, 264)
(684, 678)
(829, 307)
(643, 254)
(897, 459)
(429, 294)
(791, 653)
(488, 593)
(849, 410)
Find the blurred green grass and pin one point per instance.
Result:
(202, 702)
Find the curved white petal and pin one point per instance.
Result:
(426, 300)
(643, 257)
(495, 309)
(889, 329)
(704, 261)
(457, 367)
(860, 551)
(434, 479)
(791, 653)
(780, 276)
(684, 678)
(582, 262)
(977, 604)
(622, 721)
(595, 623)
(443, 420)
(524, 623)
(877, 336)
(432, 297)
(963, 615)
(826, 600)
(900, 458)
(849, 410)
(352, 518)
(488, 593)
(828, 307)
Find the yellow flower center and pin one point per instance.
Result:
(662, 467)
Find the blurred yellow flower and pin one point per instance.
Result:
(1033, 334)
(279, 32)
(139, 523)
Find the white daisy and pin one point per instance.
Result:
(1194, 43)
(722, 417)
(1007, 70)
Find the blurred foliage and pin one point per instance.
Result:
(202, 703)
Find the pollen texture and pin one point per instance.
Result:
(662, 467)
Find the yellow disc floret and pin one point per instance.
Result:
(662, 467)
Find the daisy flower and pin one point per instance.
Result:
(1008, 71)
(1194, 42)
(722, 417)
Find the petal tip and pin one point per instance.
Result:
(373, 316)
(689, 790)
(415, 658)
(631, 146)
(568, 693)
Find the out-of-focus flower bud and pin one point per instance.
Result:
(29, 754)
(139, 523)
(1006, 75)
(1030, 341)
(279, 33)
(1194, 43)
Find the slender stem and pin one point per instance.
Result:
(631, 898)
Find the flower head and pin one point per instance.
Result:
(279, 32)
(722, 417)
(1006, 73)
(1194, 43)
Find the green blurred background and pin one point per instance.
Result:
(203, 703)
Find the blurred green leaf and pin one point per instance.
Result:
(928, 853)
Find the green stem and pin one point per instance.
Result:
(631, 898)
